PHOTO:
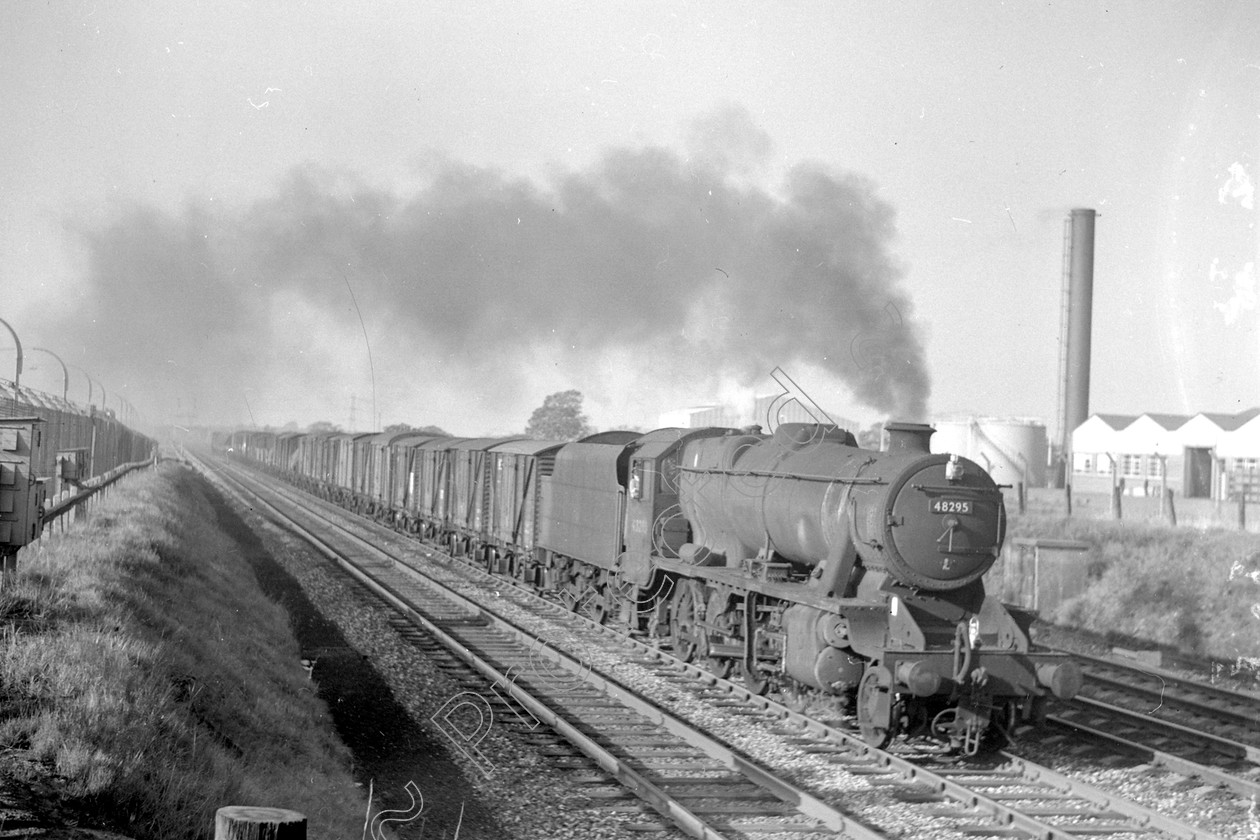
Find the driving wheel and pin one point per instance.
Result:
(686, 636)
(874, 708)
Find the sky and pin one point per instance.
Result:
(439, 213)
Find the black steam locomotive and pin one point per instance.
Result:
(796, 560)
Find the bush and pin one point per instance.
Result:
(1196, 591)
(142, 663)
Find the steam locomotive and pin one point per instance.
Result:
(795, 560)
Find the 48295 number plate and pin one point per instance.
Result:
(962, 506)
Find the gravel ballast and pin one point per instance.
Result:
(530, 797)
(523, 795)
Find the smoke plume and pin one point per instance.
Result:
(681, 258)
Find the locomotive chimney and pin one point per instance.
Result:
(905, 438)
(1078, 295)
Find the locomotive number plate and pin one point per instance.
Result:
(962, 506)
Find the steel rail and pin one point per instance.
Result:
(665, 804)
(1176, 763)
(1142, 819)
(961, 793)
(913, 772)
(1225, 746)
(1192, 695)
(909, 769)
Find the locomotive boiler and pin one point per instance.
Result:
(861, 573)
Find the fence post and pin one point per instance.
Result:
(1242, 511)
(1067, 494)
(246, 822)
(1172, 508)
(1023, 498)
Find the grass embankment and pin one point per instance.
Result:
(1194, 591)
(141, 662)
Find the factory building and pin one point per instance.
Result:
(773, 410)
(1201, 456)
(769, 412)
(699, 417)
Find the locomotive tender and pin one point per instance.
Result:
(799, 561)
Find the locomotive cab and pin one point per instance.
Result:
(654, 524)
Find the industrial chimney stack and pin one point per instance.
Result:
(1078, 295)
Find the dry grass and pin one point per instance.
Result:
(140, 661)
(1194, 590)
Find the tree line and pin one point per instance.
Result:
(560, 417)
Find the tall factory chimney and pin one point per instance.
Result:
(1078, 296)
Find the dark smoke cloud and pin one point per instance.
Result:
(160, 305)
(649, 248)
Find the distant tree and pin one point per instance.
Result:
(394, 428)
(560, 417)
(322, 426)
(433, 430)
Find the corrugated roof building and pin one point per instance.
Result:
(768, 412)
(698, 417)
(1206, 455)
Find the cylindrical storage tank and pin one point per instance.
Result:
(1011, 449)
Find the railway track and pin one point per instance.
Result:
(1186, 726)
(679, 738)
(697, 784)
(1169, 696)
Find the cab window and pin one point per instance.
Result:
(636, 480)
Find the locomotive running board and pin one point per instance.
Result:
(796, 593)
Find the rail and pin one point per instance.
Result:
(978, 797)
(498, 658)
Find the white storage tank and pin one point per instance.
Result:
(1012, 449)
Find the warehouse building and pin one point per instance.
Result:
(699, 417)
(1201, 456)
(769, 412)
